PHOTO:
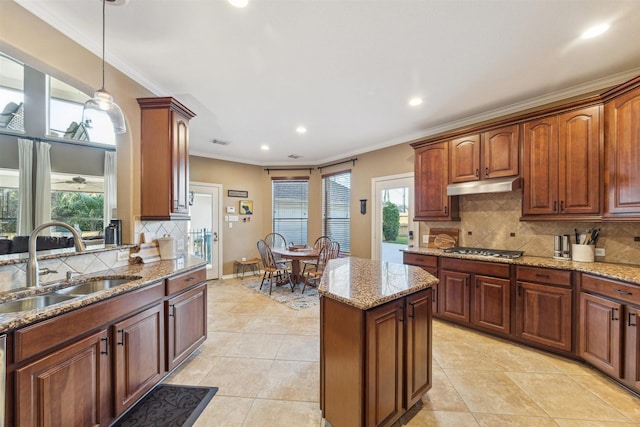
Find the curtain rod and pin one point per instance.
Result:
(353, 161)
(57, 141)
(287, 169)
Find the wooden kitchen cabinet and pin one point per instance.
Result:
(138, 356)
(431, 175)
(492, 304)
(544, 307)
(492, 154)
(622, 140)
(454, 296)
(375, 364)
(429, 264)
(68, 387)
(186, 320)
(632, 347)
(562, 165)
(164, 152)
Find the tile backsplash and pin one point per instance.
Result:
(493, 221)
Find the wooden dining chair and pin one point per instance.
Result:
(277, 240)
(320, 243)
(272, 267)
(314, 272)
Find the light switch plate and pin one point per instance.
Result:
(180, 244)
(600, 252)
(123, 255)
(425, 238)
(231, 209)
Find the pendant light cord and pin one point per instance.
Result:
(104, 5)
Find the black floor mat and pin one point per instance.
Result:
(168, 405)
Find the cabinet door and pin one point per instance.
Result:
(465, 158)
(384, 363)
(187, 324)
(454, 295)
(180, 164)
(418, 348)
(579, 160)
(622, 133)
(540, 166)
(543, 315)
(600, 333)
(431, 179)
(67, 388)
(632, 348)
(501, 152)
(139, 356)
(492, 304)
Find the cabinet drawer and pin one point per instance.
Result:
(477, 267)
(186, 280)
(544, 275)
(421, 260)
(611, 288)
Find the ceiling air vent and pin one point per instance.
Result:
(294, 156)
(219, 142)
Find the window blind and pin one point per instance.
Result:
(336, 197)
(291, 209)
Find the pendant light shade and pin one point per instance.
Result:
(102, 102)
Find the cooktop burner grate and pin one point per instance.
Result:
(494, 253)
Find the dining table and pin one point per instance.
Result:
(296, 255)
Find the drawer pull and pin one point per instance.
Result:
(629, 320)
(106, 345)
(544, 276)
(613, 313)
(620, 291)
(190, 279)
(121, 332)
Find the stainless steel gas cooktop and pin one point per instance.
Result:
(489, 253)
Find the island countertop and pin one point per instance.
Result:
(364, 283)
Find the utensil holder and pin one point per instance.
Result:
(583, 253)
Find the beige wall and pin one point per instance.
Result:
(27, 38)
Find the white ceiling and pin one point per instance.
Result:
(346, 69)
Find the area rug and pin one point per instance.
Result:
(283, 294)
(168, 405)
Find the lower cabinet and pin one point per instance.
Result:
(138, 356)
(454, 296)
(375, 364)
(608, 326)
(186, 321)
(429, 264)
(66, 388)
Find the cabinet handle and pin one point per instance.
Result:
(613, 313)
(121, 332)
(190, 279)
(561, 205)
(106, 345)
(519, 290)
(477, 173)
(629, 320)
(412, 314)
(544, 276)
(400, 314)
(555, 206)
(620, 291)
(486, 171)
(445, 210)
(172, 310)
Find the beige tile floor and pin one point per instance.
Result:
(264, 356)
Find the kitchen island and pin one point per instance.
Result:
(375, 340)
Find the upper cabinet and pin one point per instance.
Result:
(562, 165)
(164, 150)
(622, 142)
(491, 154)
(431, 179)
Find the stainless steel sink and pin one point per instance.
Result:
(97, 284)
(31, 303)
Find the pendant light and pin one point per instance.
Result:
(102, 101)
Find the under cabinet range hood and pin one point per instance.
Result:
(495, 185)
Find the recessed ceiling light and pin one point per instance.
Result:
(415, 101)
(239, 3)
(595, 31)
(264, 147)
(301, 129)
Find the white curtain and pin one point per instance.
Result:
(110, 186)
(43, 185)
(25, 179)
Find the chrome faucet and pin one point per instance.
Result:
(33, 279)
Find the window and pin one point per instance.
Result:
(79, 201)
(8, 203)
(291, 208)
(11, 94)
(336, 197)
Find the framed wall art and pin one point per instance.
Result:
(237, 193)
(246, 207)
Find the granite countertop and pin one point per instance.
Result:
(628, 273)
(364, 284)
(145, 273)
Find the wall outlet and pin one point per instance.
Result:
(425, 238)
(599, 251)
(122, 255)
(180, 244)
